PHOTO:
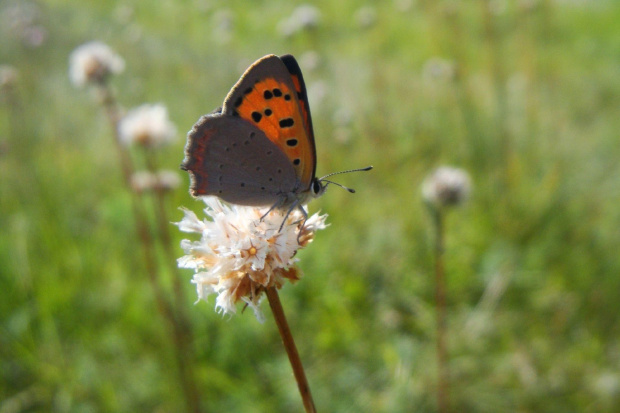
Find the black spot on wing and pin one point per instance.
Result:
(286, 122)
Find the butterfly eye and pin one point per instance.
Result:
(317, 188)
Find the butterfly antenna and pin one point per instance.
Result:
(351, 190)
(368, 168)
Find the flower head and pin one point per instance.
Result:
(93, 62)
(8, 76)
(167, 180)
(304, 17)
(146, 181)
(242, 251)
(366, 17)
(439, 69)
(223, 23)
(446, 186)
(147, 125)
(23, 19)
(143, 181)
(310, 61)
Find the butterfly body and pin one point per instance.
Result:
(258, 149)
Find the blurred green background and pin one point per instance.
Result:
(523, 94)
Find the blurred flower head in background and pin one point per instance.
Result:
(223, 23)
(8, 76)
(147, 125)
(164, 180)
(446, 186)
(24, 20)
(439, 69)
(242, 251)
(304, 18)
(366, 17)
(92, 63)
(309, 60)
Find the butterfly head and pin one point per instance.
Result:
(317, 188)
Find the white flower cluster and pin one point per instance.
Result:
(446, 186)
(242, 251)
(147, 125)
(93, 62)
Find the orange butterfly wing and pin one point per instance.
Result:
(271, 95)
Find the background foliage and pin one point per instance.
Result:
(522, 94)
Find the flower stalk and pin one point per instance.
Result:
(163, 226)
(291, 349)
(177, 321)
(92, 64)
(446, 187)
(443, 382)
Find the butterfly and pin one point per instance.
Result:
(258, 149)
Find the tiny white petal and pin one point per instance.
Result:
(256, 309)
(316, 222)
(190, 222)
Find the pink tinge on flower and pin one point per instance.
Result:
(242, 251)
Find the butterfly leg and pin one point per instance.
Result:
(293, 206)
(305, 214)
(278, 204)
